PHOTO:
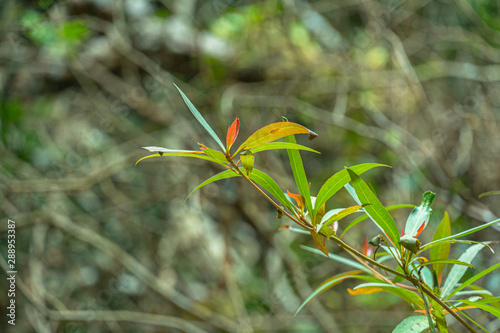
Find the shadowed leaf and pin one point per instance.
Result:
(319, 240)
(247, 159)
(474, 278)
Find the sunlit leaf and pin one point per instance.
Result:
(200, 119)
(336, 216)
(319, 240)
(219, 176)
(413, 324)
(374, 208)
(281, 145)
(338, 180)
(199, 155)
(270, 133)
(364, 217)
(441, 251)
(247, 159)
(458, 271)
(215, 154)
(409, 296)
(473, 279)
(463, 233)
(262, 179)
(419, 216)
(232, 133)
(299, 174)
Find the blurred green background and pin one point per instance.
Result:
(105, 246)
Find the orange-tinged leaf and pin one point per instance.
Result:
(270, 133)
(364, 290)
(232, 133)
(420, 230)
(299, 198)
(365, 247)
(454, 310)
(320, 242)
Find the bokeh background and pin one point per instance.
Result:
(106, 246)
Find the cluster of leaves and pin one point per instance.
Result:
(431, 295)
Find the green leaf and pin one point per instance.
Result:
(299, 174)
(200, 119)
(335, 215)
(364, 217)
(489, 308)
(463, 233)
(320, 240)
(337, 258)
(270, 186)
(413, 324)
(281, 145)
(181, 153)
(438, 313)
(458, 271)
(407, 295)
(338, 180)
(445, 261)
(485, 194)
(247, 159)
(374, 208)
(215, 154)
(473, 279)
(333, 281)
(442, 251)
(270, 133)
(410, 243)
(219, 176)
(419, 216)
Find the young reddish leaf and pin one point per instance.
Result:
(320, 241)
(270, 133)
(365, 246)
(299, 198)
(420, 230)
(232, 133)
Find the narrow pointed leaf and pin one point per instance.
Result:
(413, 324)
(298, 198)
(338, 180)
(445, 261)
(281, 145)
(270, 133)
(457, 271)
(333, 281)
(320, 240)
(215, 154)
(190, 154)
(441, 251)
(232, 133)
(407, 295)
(270, 186)
(247, 159)
(474, 278)
(485, 194)
(374, 208)
(200, 118)
(329, 219)
(419, 217)
(219, 176)
(486, 307)
(364, 217)
(463, 233)
(338, 258)
(299, 174)
(438, 313)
